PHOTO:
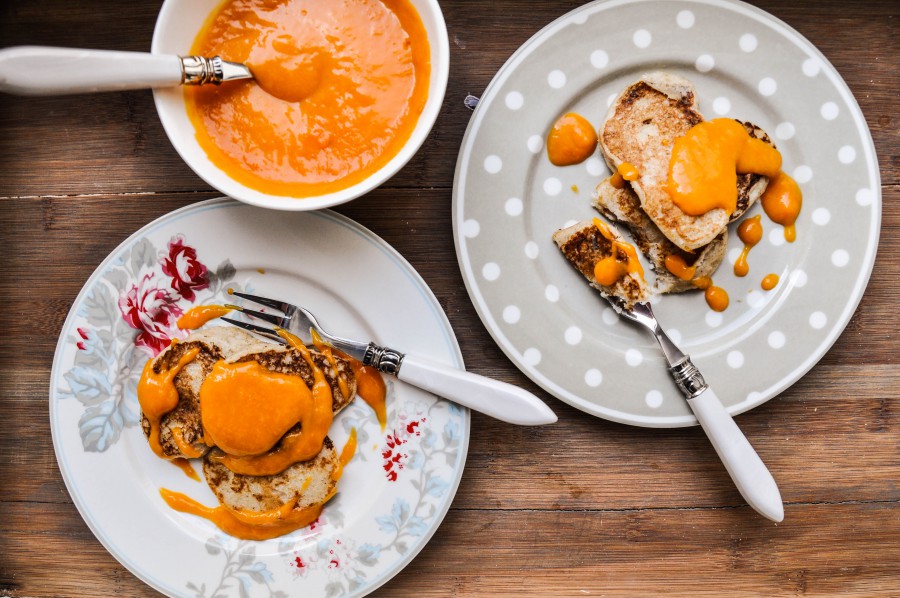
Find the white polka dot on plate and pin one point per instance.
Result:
(593, 377)
(821, 216)
(535, 144)
(599, 59)
(580, 18)
(733, 254)
(713, 319)
(785, 130)
(755, 299)
(471, 228)
(531, 356)
(569, 223)
(493, 164)
(798, 278)
(753, 396)
(721, 106)
(685, 19)
(735, 359)
(653, 399)
(531, 250)
(767, 86)
(594, 166)
(776, 237)
(552, 186)
(865, 197)
(513, 206)
(847, 154)
(811, 67)
(573, 335)
(674, 335)
(609, 316)
(829, 111)
(491, 271)
(633, 357)
(556, 79)
(642, 38)
(705, 63)
(612, 98)
(511, 314)
(803, 174)
(551, 293)
(818, 320)
(514, 100)
(840, 258)
(748, 42)
(776, 339)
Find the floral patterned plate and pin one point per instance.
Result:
(395, 491)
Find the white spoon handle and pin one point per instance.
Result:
(747, 470)
(38, 70)
(492, 397)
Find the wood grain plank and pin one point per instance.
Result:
(819, 550)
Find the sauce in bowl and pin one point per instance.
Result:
(337, 91)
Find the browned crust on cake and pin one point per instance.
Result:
(266, 493)
(583, 246)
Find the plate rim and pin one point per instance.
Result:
(849, 308)
(58, 450)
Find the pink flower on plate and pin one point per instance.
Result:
(187, 272)
(153, 311)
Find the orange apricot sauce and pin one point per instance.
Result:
(572, 140)
(617, 180)
(623, 261)
(157, 395)
(716, 297)
(246, 525)
(337, 91)
(706, 160)
(370, 387)
(781, 202)
(679, 268)
(769, 282)
(199, 315)
(627, 171)
(346, 454)
(750, 232)
(185, 466)
(313, 409)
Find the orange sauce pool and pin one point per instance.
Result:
(706, 160)
(338, 88)
(199, 315)
(679, 268)
(750, 232)
(609, 270)
(781, 202)
(572, 140)
(716, 297)
(157, 395)
(769, 282)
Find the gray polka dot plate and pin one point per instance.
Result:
(508, 200)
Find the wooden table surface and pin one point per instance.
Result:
(584, 507)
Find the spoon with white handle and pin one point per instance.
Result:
(40, 70)
(746, 469)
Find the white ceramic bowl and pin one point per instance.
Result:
(179, 22)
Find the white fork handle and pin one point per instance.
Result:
(498, 399)
(749, 473)
(39, 70)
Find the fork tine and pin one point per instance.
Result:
(276, 319)
(273, 303)
(261, 330)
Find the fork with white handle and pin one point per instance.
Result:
(746, 469)
(494, 398)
